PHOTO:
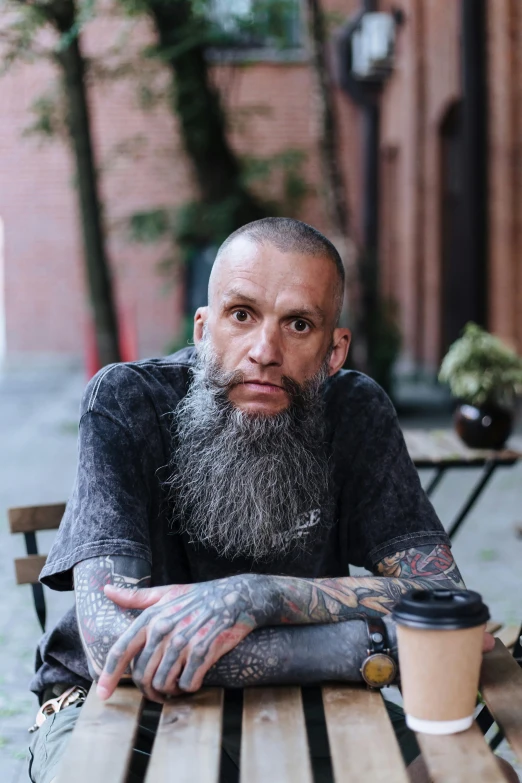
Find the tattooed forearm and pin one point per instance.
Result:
(331, 600)
(433, 563)
(102, 622)
(284, 656)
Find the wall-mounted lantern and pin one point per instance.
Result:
(373, 43)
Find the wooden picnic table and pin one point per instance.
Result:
(274, 745)
(443, 450)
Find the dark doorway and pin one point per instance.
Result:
(458, 304)
(462, 267)
(463, 187)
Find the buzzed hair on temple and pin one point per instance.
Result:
(290, 235)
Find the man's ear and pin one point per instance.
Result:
(341, 343)
(200, 319)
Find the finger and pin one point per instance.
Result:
(119, 657)
(171, 683)
(180, 637)
(198, 664)
(202, 656)
(157, 641)
(152, 695)
(488, 642)
(143, 675)
(168, 671)
(135, 598)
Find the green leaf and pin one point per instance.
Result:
(149, 227)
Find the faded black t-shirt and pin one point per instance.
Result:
(120, 500)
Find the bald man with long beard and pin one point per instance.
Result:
(221, 495)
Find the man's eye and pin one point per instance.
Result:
(241, 315)
(300, 325)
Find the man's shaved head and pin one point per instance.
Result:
(290, 236)
(274, 298)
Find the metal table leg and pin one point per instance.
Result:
(435, 481)
(488, 471)
(38, 591)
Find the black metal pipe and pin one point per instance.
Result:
(371, 178)
(474, 129)
(371, 166)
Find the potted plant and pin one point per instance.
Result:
(485, 375)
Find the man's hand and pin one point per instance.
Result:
(489, 642)
(182, 631)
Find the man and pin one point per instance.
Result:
(229, 487)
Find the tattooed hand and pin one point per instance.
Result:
(182, 632)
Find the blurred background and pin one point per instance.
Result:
(135, 135)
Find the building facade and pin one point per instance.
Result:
(450, 161)
(438, 261)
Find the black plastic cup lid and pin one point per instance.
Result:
(441, 609)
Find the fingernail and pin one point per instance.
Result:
(102, 692)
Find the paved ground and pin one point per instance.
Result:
(38, 422)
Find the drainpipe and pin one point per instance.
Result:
(474, 130)
(371, 117)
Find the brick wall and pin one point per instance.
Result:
(45, 297)
(426, 83)
(45, 300)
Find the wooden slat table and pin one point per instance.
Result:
(443, 450)
(274, 745)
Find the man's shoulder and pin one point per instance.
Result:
(157, 381)
(352, 390)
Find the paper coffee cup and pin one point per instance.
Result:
(440, 637)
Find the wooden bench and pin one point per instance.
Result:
(274, 744)
(29, 520)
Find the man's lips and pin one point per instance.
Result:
(262, 387)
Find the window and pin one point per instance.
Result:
(257, 24)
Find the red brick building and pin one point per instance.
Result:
(423, 112)
(440, 276)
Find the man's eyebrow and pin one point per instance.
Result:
(298, 312)
(236, 293)
(309, 312)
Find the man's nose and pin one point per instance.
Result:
(266, 347)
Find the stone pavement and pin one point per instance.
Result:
(38, 422)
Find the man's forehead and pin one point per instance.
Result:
(250, 268)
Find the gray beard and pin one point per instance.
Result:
(243, 484)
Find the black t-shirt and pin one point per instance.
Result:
(120, 501)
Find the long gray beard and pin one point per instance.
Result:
(245, 484)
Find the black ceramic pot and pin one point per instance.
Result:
(484, 427)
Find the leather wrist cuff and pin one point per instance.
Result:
(378, 668)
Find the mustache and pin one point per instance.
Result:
(228, 380)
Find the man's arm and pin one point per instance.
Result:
(185, 629)
(100, 621)
(330, 600)
(267, 656)
(301, 655)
